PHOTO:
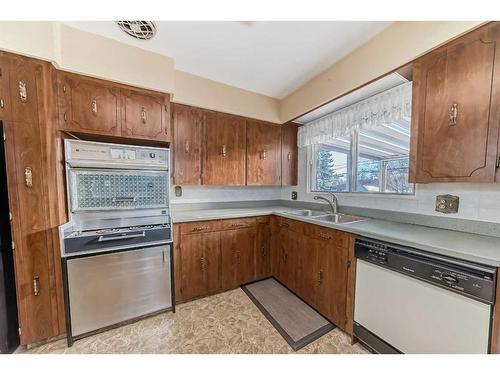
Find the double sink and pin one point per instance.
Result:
(336, 218)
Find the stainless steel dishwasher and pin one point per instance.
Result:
(411, 301)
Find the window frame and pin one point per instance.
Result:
(353, 172)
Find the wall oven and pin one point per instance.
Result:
(116, 248)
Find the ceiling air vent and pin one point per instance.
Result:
(142, 30)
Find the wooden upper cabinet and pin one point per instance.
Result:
(145, 115)
(263, 153)
(224, 150)
(289, 155)
(188, 144)
(456, 115)
(88, 105)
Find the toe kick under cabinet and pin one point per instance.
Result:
(312, 261)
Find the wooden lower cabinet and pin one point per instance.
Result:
(200, 265)
(238, 257)
(310, 260)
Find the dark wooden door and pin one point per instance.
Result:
(263, 250)
(88, 105)
(188, 144)
(263, 153)
(27, 167)
(238, 257)
(145, 115)
(200, 264)
(455, 115)
(289, 242)
(225, 149)
(289, 155)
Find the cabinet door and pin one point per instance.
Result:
(145, 115)
(455, 115)
(289, 155)
(27, 186)
(263, 153)
(200, 264)
(88, 105)
(289, 242)
(332, 281)
(308, 275)
(263, 251)
(188, 144)
(238, 257)
(225, 150)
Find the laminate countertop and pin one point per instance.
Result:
(467, 246)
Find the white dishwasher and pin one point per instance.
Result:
(410, 301)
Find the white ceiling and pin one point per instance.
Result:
(273, 58)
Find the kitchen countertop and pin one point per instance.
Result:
(473, 247)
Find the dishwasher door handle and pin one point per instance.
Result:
(125, 237)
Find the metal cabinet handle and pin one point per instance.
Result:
(1, 103)
(93, 106)
(320, 277)
(125, 237)
(263, 250)
(202, 263)
(285, 225)
(23, 92)
(263, 154)
(186, 147)
(28, 177)
(325, 236)
(453, 114)
(143, 115)
(289, 156)
(36, 286)
(223, 151)
(197, 229)
(236, 225)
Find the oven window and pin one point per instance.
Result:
(105, 190)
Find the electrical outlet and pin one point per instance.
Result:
(178, 191)
(294, 195)
(447, 204)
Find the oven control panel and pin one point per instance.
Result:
(84, 153)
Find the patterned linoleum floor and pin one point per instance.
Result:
(225, 323)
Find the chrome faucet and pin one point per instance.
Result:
(333, 202)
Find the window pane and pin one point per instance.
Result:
(396, 180)
(382, 164)
(332, 165)
(368, 175)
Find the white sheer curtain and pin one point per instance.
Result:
(388, 106)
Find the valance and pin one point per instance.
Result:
(388, 106)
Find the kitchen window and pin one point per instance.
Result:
(362, 148)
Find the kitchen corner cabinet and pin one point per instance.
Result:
(188, 144)
(238, 257)
(94, 106)
(456, 111)
(289, 155)
(263, 153)
(225, 149)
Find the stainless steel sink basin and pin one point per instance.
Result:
(307, 213)
(339, 218)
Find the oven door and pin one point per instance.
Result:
(107, 289)
(113, 189)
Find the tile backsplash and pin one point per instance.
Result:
(200, 194)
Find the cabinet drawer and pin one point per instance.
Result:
(200, 227)
(293, 225)
(237, 223)
(327, 234)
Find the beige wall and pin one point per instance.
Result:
(30, 38)
(205, 93)
(395, 46)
